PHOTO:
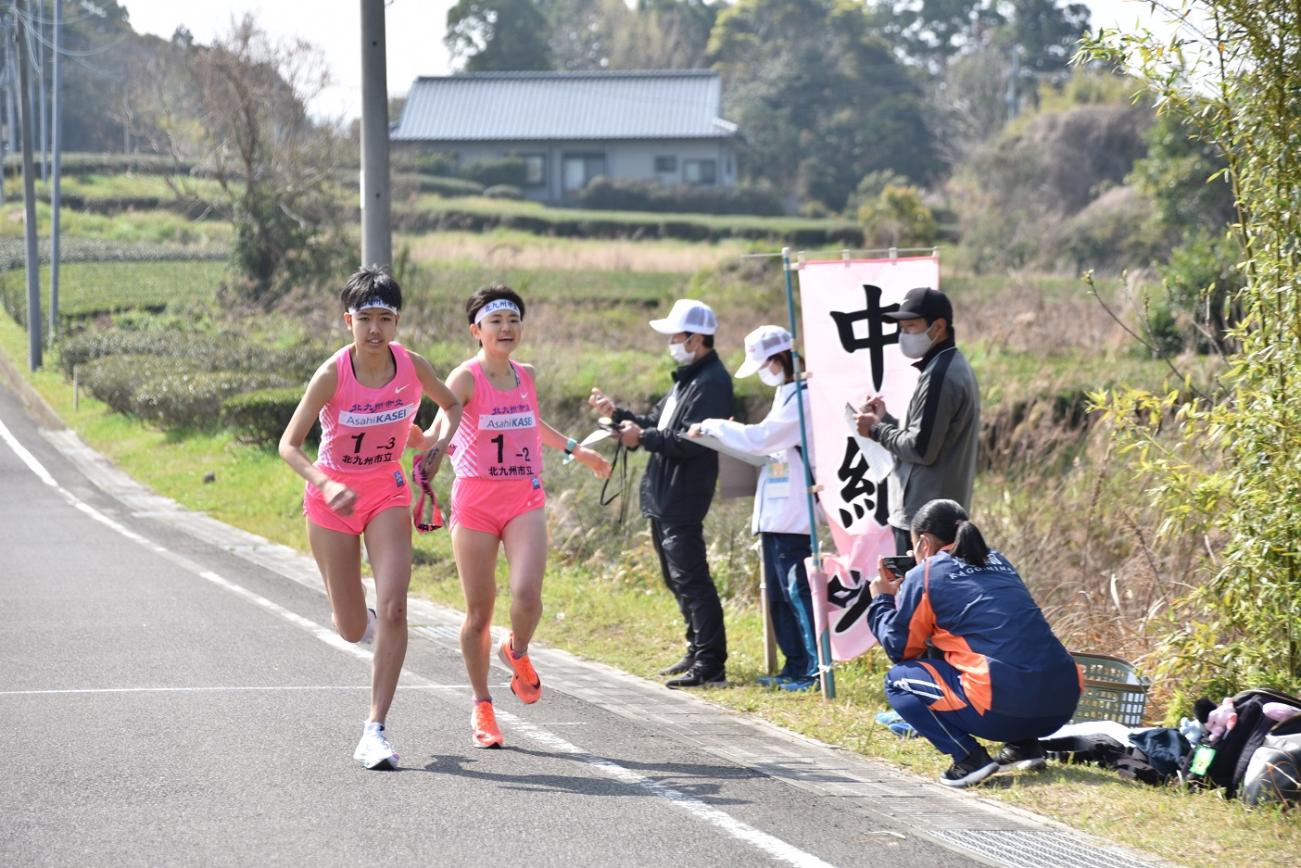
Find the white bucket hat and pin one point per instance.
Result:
(761, 345)
(687, 316)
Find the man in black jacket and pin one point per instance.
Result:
(678, 485)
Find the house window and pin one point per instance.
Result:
(535, 170)
(665, 165)
(699, 171)
(582, 168)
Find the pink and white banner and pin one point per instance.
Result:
(851, 353)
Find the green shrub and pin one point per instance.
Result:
(229, 352)
(426, 163)
(622, 195)
(897, 217)
(193, 399)
(113, 379)
(490, 173)
(168, 391)
(106, 163)
(260, 416)
(1201, 278)
(504, 191)
(449, 187)
(1112, 232)
(871, 187)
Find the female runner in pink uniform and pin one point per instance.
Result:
(497, 498)
(365, 396)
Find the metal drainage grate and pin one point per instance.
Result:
(1034, 849)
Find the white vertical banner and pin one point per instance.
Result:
(851, 354)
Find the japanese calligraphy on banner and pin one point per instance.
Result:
(851, 354)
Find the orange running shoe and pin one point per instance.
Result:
(484, 723)
(524, 681)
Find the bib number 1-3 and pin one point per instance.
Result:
(392, 441)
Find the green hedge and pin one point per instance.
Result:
(621, 195)
(504, 191)
(219, 352)
(81, 163)
(491, 173)
(193, 399)
(166, 392)
(260, 416)
(571, 223)
(405, 184)
(407, 159)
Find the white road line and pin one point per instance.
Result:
(708, 814)
(77, 691)
(774, 847)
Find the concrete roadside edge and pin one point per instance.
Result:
(35, 403)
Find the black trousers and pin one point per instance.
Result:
(681, 550)
(903, 541)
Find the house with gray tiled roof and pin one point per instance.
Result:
(571, 127)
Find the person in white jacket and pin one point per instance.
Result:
(781, 513)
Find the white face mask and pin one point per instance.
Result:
(769, 377)
(914, 346)
(680, 353)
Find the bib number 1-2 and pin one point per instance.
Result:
(500, 441)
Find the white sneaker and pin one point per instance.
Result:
(374, 751)
(368, 638)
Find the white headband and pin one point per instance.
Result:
(372, 303)
(494, 306)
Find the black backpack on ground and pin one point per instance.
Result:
(1274, 770)
(1234, 748)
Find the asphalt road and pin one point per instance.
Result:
(163, 701)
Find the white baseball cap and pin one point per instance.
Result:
(687, 316)
(761, 345)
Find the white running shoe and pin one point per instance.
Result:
(374, 751)
(368, 638)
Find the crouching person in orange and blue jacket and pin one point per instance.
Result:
(1004, 676)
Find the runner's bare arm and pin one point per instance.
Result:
(590, 458)
(337, 496)
(460, 384)
(450, 406)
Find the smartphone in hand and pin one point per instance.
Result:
(899, 565)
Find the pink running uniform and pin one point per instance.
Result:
(499, 437)
(365, 429)
(363, 435)
(497, 455)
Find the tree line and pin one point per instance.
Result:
(825, 91)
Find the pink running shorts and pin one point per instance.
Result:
(376, 492)
(488, 505)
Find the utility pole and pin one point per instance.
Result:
(40, 91)
(56, 137)
(4, 91)
(29, 199)
(10, 85)
(376, 239)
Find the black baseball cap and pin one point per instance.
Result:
(923, 303)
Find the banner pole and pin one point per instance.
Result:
(826, 676)
(765, 615)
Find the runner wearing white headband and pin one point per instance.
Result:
(494, 306)
(372, 303)
(497, 499)
(366, 396)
